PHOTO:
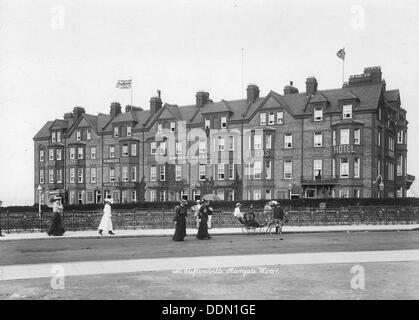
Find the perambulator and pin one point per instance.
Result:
(250, 224)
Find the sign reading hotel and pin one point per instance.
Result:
(345, 148)
(112, 160)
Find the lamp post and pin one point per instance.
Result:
(39, 201)
(290, 186)
(1, 203)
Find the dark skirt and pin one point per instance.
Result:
(203, 228)
(180, 231)
(56, 228)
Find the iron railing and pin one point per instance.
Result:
(163, 219)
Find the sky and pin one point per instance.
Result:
(55, 55)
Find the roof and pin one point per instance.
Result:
(44, 132)
(392, 95)
(296, 103)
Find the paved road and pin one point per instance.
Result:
(94, 249)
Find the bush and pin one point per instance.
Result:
(230, 205)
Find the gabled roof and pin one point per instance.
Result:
(317, 98)
(125, 117)
(45, 131)
(348, 96)
(216, 107)
(59, 124)
(392, 95)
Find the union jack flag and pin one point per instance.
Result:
(124, 84)
(341, 54)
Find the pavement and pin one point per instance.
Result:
(213, 231)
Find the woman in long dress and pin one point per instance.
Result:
(56, 228)
(106, 222)
(180, 221)
(204, 211)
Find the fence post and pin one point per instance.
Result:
(72, 220)
(8, 221)
(163, 224)
(0, 226)
(133, 216)
(40, 221)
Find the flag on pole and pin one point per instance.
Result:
(341, 54)
(124, 84)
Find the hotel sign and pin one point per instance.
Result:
(116, 160)
(111, 184)
(345, 148)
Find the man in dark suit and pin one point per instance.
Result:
(0, 226)
(279, 215)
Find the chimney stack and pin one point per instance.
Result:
(252, 93)
(311, 86)
(290, 89)
(68, 116)
(115, 109)
(202, 98)
(155, 104)
(77, 112)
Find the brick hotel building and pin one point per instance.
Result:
(344, 142)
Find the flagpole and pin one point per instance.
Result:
(242, 72)
(343, 71)
(131, 91)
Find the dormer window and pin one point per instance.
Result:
(58, 136)
(271, 118)
(115, 132)
(172, 126)
(53, 136)
(78, 135)
(207, 123)
(263, 119)
(128, 131)
(89, 134)
(280, 117)
(223, 122)
(347, 111)
(318, 114)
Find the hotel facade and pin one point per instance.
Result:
(344, 142)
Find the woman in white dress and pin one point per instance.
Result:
(106, 222)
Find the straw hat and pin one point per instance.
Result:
(109, 200)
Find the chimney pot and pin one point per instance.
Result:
(115, 109)
(252, 93)
(155, 104)
(202, 97)
(311, 86)
(290, 89)
(77, 112)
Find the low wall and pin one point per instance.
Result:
(163, 219)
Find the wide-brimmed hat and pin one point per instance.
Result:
(198, 201)
(183, 201)
(56, 198)
(238, 204)
(109, 200)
